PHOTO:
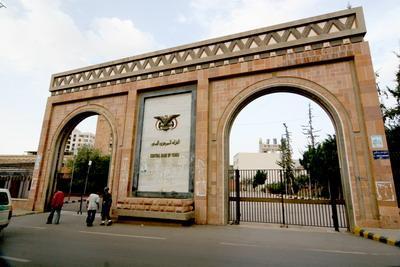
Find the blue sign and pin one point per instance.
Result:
(380, 154)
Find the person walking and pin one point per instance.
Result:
(57, 203)
(105, 208)
(92, 205)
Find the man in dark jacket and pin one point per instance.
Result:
(56, 205)
(105, 208)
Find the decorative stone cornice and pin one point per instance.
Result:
(17, 159)
(346, 26)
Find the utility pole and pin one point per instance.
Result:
(2, 5)
(309, 130)
(72, 178)
(84, 190)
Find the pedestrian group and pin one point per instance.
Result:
(92, 202)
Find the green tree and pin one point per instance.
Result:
(259, 178)
(98, 175)
(391, 116)
(286, 162)
(322, 163)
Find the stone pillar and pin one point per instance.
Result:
(103, 140)
(382, 208)
(201, 153)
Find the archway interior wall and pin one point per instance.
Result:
(65, 117)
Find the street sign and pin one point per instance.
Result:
(380, 154)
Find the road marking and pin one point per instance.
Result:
(338, 251)
(384, 254)
(237, 244)
(14, 259)
(34, 227)
(121, 235)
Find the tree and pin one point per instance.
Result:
(259, 178)
(322, 163)
(391, 116)
(98, 175)
(286, 161)
(393, 113)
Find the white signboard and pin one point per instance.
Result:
(384, 191)
(165, 144)
(377, 141)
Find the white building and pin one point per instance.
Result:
(267, 157)
(268, 147)
(78, 139)
(256, 161)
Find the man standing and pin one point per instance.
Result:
(92, 205)
(105, 208)
(56, 205)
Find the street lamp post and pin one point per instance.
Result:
(84, 190)
(72, 178)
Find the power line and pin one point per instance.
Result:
(2, 5)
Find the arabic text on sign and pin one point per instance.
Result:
(166, 143)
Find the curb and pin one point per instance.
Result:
(25, 213)
(377, 237)
(74, 201)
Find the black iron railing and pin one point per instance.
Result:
(295, 198)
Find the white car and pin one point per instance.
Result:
(5, 208)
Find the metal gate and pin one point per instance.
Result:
(273, 196)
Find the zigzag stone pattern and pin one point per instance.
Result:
(332, 29)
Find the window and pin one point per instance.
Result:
(3, 198)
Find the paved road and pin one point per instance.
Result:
(28, 241)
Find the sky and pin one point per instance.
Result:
(42, 37)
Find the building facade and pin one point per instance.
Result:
(78, 139)
(16, 174)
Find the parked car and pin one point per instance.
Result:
(5, 208)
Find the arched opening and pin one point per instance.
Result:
(82, 158)
(270, 191)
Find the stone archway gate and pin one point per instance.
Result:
(171, 113)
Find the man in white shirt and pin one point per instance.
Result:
(92, 205)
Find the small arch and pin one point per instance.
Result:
(60, 137)
(335, 110)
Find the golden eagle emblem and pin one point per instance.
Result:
(166, 122)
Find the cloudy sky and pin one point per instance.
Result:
(42, 37)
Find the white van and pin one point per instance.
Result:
(5, 208)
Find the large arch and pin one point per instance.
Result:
(309, 89)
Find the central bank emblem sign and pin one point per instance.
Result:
(164, 155)
(166, 122)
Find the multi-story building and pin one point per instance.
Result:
(77, 139)
(268, 147)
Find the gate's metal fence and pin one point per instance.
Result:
(273, 196)
(395, 162)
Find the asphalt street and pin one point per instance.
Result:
(28, 241)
